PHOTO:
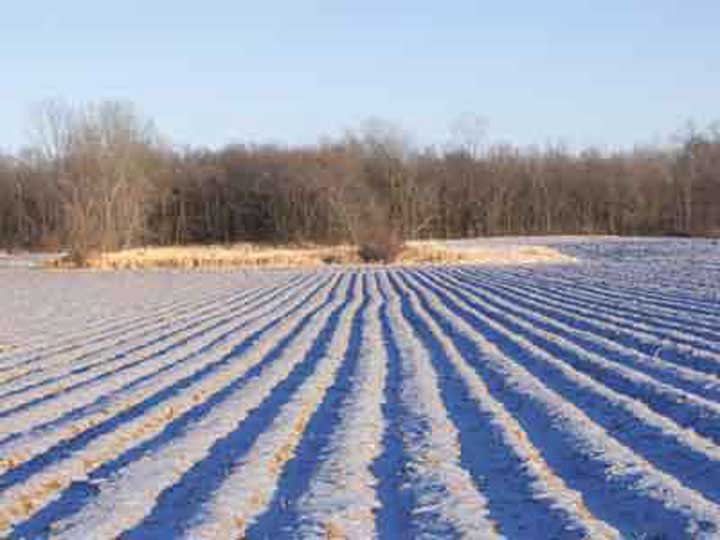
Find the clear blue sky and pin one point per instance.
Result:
(608, 72)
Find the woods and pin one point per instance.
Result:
(101, 177)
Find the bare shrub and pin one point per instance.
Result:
(48, 242)
(380, 245)
(332, 258)
(81, 257)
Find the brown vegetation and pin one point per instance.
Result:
(307, 256)
(240, 255)
(380, 245)
(429, 252)
(99, 178)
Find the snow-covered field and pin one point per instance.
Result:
(558, 401)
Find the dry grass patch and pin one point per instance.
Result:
(433, 252)
(239, 255)
(308, 256)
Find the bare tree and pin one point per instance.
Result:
(98, 176)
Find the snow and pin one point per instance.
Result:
(580, 400)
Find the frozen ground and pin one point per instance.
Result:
(559, 401)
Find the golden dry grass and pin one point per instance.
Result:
(308, 256)
(238, 255)
(433, 252)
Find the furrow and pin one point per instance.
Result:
(182, 366)
(445, 499)
(524, 493)
(22, 500)
(125, 364)
(248, 490)
(698, 417)
(340, 497)
(109, 329)
(591, 337)
(145, 328)
(125, 494)
(617, 485)
(158, 326)
(650, 329)
(49, 339)
(583, 284)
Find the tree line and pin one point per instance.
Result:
(100, 177)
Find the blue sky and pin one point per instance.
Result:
(610, 73)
